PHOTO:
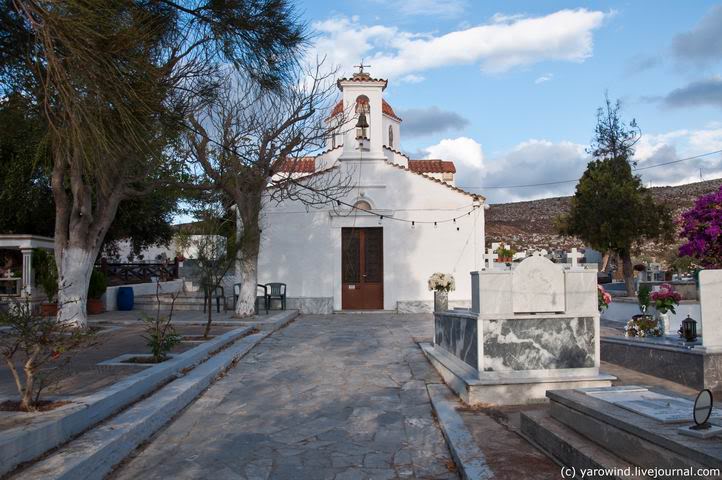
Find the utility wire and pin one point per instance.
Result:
(560, 182)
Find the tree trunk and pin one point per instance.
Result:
(605, 261)
(246, 304)
(74, 269)
(628, 272)
(82, 219)
(207, 329)
(249, 209)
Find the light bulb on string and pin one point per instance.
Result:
(435, 225)
(381, 218)
(457, 229)
(413, 225)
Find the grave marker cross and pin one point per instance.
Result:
(575, 256)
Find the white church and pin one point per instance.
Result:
(410, 220)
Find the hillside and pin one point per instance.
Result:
(528, 225)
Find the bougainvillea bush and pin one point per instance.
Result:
(702, 228)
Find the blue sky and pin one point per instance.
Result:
(509, 90)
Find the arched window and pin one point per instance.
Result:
(391, 136)
(363, 109)
(362, 104)
(362, 205)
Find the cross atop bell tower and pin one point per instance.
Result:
(361, 66)
(361, 74)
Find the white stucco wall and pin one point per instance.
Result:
(304, 249)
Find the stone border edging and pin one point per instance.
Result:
(25, 443)
(468, 457)
(94, 454)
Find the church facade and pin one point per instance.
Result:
(399, 220)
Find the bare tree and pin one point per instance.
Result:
(249, 144)
(113, 78)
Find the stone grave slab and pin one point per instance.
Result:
(662, 408)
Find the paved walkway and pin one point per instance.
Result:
(328, 397)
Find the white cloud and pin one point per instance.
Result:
(544, 78)
(466, 153)
(498, 46)
(543, 163)
(654, 149)
(411, 78)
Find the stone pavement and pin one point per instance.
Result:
(328, 397)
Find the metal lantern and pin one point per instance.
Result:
(689, 329)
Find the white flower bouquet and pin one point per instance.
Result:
(442, 282)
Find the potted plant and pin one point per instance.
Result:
(505, 254)
(96, 288)
(665, 299)
(46, 275)
(441, 284)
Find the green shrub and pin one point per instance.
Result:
(98, 284)
(46, 273)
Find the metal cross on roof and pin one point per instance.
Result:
(361, 67)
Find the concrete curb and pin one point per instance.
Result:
(25, 443)
(470, 460)
(94, 454)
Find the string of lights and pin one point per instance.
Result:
(339, 202)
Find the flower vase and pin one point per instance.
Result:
(663, 322)
(441, 300)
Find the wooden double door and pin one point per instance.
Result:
(362, 264)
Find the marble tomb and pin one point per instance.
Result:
(530, 328)
(695, 364)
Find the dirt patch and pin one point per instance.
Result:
(41, 406)
(144, 359)
(197, 338)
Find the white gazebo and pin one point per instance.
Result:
(25, 245)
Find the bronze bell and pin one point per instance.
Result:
(362, 123)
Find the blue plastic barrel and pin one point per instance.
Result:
(125, 298)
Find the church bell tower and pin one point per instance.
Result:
(363, 135)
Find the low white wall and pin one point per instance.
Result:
(623, 311)
(111, 294)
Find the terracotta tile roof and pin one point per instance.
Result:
(432, 166)
(385, 108)
(298, 165)
(457, 189)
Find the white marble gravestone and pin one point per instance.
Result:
(537, 285)
(710, 299)
(530, 328)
